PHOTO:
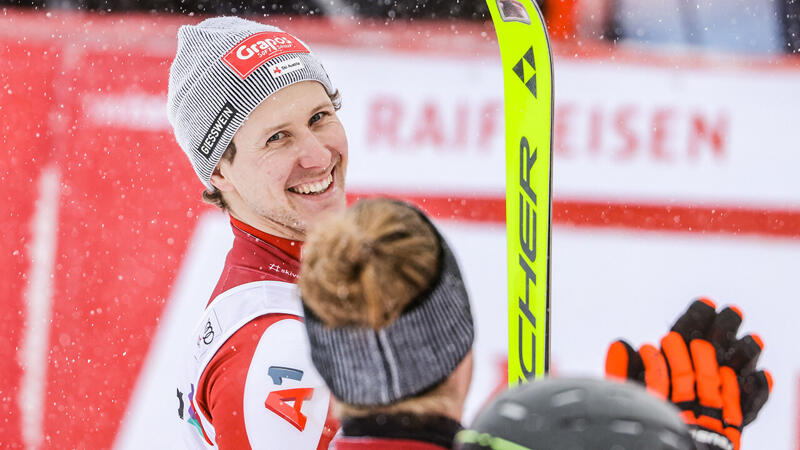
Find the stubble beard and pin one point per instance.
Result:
(289, 219)
(286, 220)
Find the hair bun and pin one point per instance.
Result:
(365, 267)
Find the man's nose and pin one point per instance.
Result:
(313, 153)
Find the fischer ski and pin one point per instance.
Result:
(528, 83)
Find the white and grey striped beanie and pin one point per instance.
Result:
(224, 68)
(411, 355)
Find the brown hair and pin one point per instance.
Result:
(365, 267)
(215, 197)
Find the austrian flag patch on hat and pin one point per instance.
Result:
(224, 68)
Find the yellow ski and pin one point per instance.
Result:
(528, 82)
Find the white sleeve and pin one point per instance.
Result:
(285, 399)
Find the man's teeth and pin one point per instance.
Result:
(313, 188)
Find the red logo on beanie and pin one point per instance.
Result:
(259, 48)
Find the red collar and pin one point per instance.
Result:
(292, 248)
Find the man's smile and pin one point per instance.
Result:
(314, 187)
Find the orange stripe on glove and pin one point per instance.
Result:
(703, 369)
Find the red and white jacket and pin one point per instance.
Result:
(249, 381)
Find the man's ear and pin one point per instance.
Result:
(220, 180)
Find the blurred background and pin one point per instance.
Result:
(676, 146)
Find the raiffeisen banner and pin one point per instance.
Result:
(674, 178)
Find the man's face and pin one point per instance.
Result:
(290, 163)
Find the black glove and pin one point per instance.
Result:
(704, 370)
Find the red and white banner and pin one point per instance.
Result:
(674, 177)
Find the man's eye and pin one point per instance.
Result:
(316, 117)
(276, 137)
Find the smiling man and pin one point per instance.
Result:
(289, 162)
(255, 112)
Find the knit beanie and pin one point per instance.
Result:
(224, 68)
(414, 353)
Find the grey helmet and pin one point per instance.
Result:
(576, 414)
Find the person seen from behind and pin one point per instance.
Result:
(390, 326)
(576, 414)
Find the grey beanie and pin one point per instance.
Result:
(224, 68)
(411, 355)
